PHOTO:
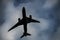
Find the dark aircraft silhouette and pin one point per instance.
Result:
(24, 21)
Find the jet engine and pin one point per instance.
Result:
(18, 19)
(30, 16)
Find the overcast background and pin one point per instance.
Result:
(46, 11)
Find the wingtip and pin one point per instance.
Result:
(8, 30)
(39, 22)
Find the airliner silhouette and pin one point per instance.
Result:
(24, 21)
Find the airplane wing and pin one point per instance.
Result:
(33, 20)
(17, 24)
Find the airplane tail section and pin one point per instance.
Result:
(25, 34)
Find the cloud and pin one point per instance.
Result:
(40, 10)
(50, 3)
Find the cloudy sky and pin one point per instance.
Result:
(46, 11)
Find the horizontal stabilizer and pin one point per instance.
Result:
(25, 34)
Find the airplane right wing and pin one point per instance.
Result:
(17, 24)
(32, 20)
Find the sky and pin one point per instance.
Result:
(46, 11)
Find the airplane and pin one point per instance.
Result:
(24, 21)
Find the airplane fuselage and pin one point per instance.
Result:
(25, 21)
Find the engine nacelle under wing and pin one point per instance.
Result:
(30, 16)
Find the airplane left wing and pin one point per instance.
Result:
(17, 24)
